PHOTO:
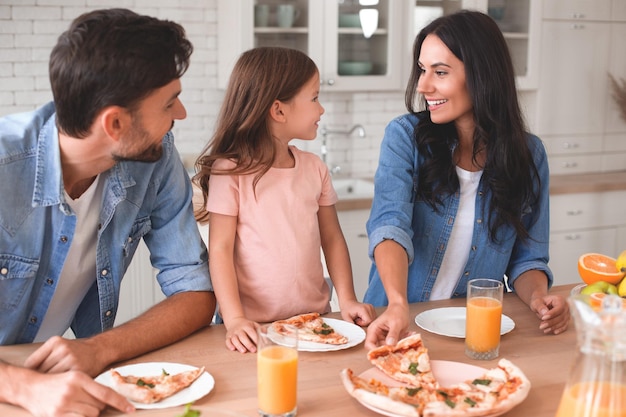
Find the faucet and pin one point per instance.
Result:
(359, 128)
(324, 131)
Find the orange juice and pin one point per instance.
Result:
(482, 325)
(277, 374)
(597, 399)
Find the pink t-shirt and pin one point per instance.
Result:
(277, 247)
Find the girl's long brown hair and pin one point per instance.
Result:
(260, 76)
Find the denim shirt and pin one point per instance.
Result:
(424, 233)
(140, 200)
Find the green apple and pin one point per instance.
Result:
(600, 286)
(621, 288)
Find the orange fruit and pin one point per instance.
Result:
(597, 297)
(594, 267)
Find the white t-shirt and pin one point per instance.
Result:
(78, 273)
(457, 251)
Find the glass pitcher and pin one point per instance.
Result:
(597, 382)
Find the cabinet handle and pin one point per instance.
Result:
(330, 82)
(568, 145)
(572, 237)
(577, 26)
(574, 212)
(570, 164)
(362, 235)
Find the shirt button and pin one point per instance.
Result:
(108, 313)
(49, 281)
(473, 248)
(64, 239)
(130, 239)
(479, 221)
(33, 320)
(99, 226)
(104, 272)
(466, 273)
(4, 271)
(450, 220)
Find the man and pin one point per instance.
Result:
(84, 179)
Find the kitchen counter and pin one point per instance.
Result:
(545, 359)
(559, 184)
(588, 183)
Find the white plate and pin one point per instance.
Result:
(447, 373)
(354, 333)
(200, 387)
(450, 321)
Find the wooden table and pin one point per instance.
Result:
(545, 359)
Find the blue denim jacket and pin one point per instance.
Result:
(424, 233)
(141, 200)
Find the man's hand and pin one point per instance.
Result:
(59, 355)
(71, 393)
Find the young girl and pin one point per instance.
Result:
(270, 205)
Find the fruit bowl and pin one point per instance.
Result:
(577, 289)
(593, 299)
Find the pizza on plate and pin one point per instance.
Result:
(496, 391)
(152, 389)
(311, 328)
(407, 362)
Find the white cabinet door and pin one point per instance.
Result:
(140, 289)
(353, 227)
(582, 223)
(347, 60)
(615, 122)
(577, 9)
(571, 99)
(566, 248)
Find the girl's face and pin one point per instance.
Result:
(442, 83)
(303, 112)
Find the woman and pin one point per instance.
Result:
(461, 187)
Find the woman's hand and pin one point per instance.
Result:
(391, 326)
(553, 311)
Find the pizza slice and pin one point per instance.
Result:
(405, 401)
(152, 389)
(311, 328)
(407, 362)
(493, 393)
(497, 390)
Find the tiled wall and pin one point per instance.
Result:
(29, 29)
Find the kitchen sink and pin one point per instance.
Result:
(353, 188)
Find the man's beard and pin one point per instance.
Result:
(138, 135)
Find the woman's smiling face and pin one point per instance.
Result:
(442, 83)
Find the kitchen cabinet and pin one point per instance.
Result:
(140, 289)
(329, 31)
(579, 121)
(582, 223)
(353, 226)
(519, 20)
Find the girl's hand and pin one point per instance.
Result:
(241, 335)
(360, 314)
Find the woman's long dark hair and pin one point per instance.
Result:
(509, 170)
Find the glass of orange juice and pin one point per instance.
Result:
(277, 371)
(483, 318)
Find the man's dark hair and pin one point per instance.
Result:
(112, 57)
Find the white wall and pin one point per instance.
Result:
(29, 29)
